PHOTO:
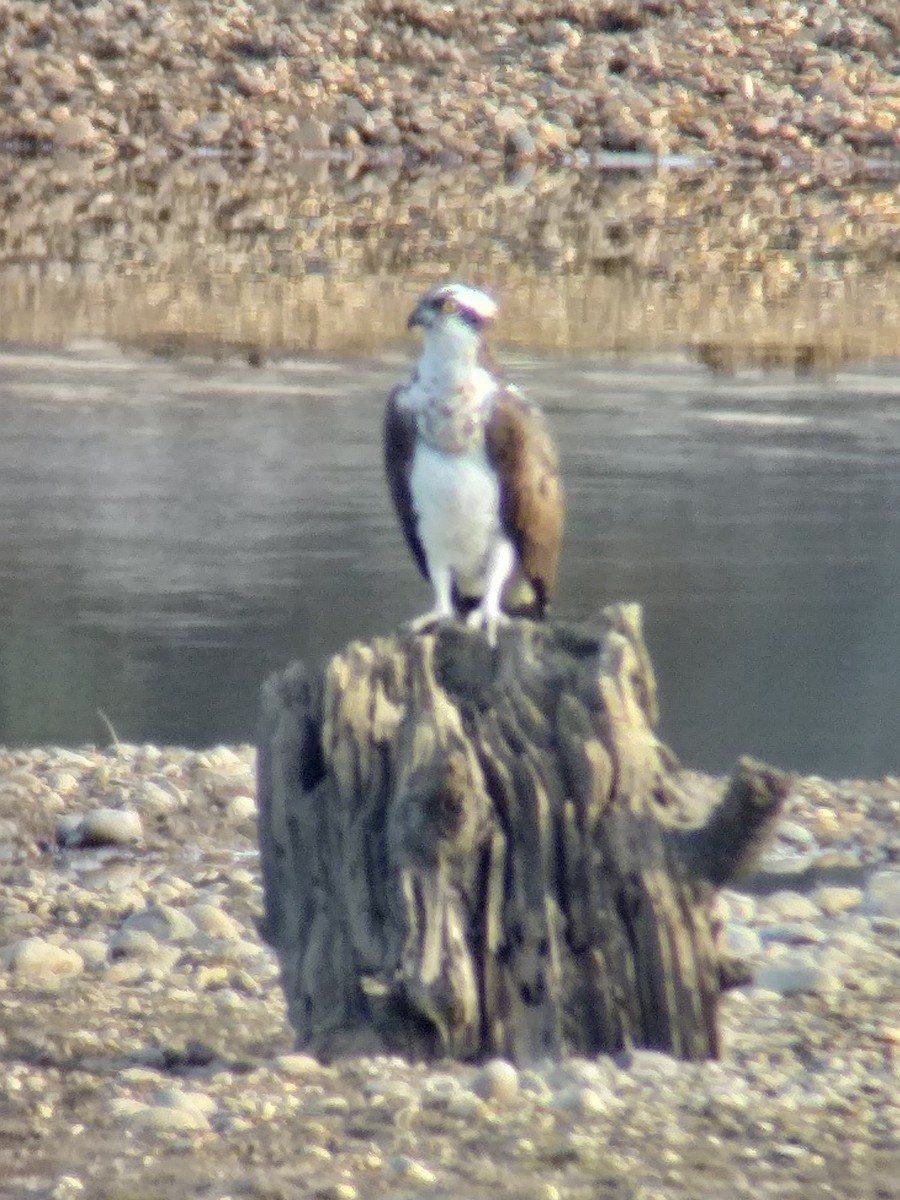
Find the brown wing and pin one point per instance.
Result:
(399, 444)
(531, 497)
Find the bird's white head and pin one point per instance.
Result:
(454, 315)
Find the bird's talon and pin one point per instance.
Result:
(489, 622)
(428, 621)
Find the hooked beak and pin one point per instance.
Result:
(418, 318)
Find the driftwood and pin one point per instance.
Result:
(470, 851)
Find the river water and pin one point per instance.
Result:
(172, 530)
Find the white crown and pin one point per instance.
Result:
(471, 299)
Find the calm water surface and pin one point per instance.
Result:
(171, 531)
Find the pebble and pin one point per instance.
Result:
(497, 1081)
(212, 920)
(35, 961)
(67, 1186)
(75, 133)
(336, 1191)
(134, 942)
(883, 893)
(165, 1118)
(836, 900)
(242, 808)
(439, 1090)
(174, 1097)
(163, 922)
(585, 1101)
(410, 1170)
(102, 827)
(156, 800)
(298, 1066)
(795, 933)
(791, 978)
(652, 1067)
(741, 942)
(790, 906)
(387, 1088)
(93, 952)
(125, 972)
(467, 1107)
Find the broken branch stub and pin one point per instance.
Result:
(470, 851)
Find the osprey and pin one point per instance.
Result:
(472, 471)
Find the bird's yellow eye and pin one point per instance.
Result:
(449, 305)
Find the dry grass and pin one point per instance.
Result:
(722, 321)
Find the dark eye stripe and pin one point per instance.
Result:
(447, 304)
(471, 318)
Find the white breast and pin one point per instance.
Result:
(456, 498)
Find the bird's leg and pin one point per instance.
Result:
(442, 582)
(488, 615)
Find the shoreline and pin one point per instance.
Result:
(753, 269)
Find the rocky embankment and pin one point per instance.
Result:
(130, 78)
(145, 1048)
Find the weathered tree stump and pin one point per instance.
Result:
(470, 851)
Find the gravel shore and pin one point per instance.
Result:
(146, 1051)
(425, 80)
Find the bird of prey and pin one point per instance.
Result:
(472, 471)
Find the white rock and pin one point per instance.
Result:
(76, 132)
(883, 893)
(794, 933)
(124, 1108)
(175, 1097)
(790, 906)
(92, 951)
(498, 1080)
(796, 835)
(210, 919)
(737, 906)
(163, 922)
(126, 971)
(139, 1075)
(833, 901)
(466, 1106)
(242, 808)
(585, 1101)
(65, 1187)
(34, 960)
(107, 827)
(134, 943)
(743, 942)
(439, 1090)
(653, 1067)
(337, 1191)
(791, 978)
(411, 1170)
(163, 1118)
(298, 1065)
(158, 800)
